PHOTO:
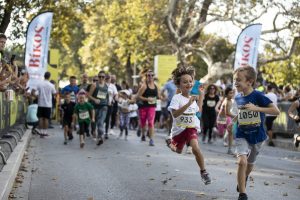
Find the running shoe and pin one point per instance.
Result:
(65, 142)
(138, 132)
(189, 150)
(230, 152)
(296, 142)
(143, 138)
(151, 142)
(243, 196)
(168, 142)
(106, 136)
(100, 141)
(271, 144)
(205, 177)
(82, 145)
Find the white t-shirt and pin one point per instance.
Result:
(112, 91)
(273, 97)
(188, 119)
(45, 91)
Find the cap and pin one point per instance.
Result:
(125, 92)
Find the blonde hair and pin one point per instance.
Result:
(250, 73)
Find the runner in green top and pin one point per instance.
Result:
(85, 113)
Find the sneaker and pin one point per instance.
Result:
(82, 145)
(126, 138)
(88, 135)
(296, 142)
(138, 132)
(65, 142)
(106, 136)
(205, 177)
(143, 138)
(168, 142)
(225, 144)
(70, 135)
(151, 142)
(237, 186)
(271, 144)
(210, 142)
(243, 196)
(44, 135)
(189, 150)
(230, 152)
(100, 141)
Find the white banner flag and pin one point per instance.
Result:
(37, 41)
(246, 52)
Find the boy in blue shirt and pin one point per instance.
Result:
(250, 135)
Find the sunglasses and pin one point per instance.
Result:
(212, 88)
(150, 75)
(95, 80)
(101, 76)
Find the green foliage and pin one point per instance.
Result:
(118, 29)
(282, 72)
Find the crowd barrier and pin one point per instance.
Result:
(11, 112)
(283, 124)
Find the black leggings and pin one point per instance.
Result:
(208, 125)
(114, 115)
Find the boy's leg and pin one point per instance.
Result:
(198, 155)
(241, 173)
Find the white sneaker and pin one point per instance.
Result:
(189, 150)
(111, 132)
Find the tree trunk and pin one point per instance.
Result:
(129, 70)
(6, 16)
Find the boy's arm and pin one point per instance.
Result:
(90, 94)
(291, 110)
(74, 118)
(93, 115)
(228, 105)
(200, 101)
(270, 109)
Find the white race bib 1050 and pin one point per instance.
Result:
(248, 117)
(186, 120)
(84, 115)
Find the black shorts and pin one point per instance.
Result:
(269, 122)
(67, 122)
(44, 112)
(83, 128)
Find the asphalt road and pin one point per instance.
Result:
(132, 170)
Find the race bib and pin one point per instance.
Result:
(211, 103)
(186, 120)
(153, 100)
(72, 97)
(84, 115)
(101, 95)
(248, 117)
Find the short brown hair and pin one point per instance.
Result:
(250, 73)
(179, 71)
(3, 36)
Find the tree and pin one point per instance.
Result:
(124, 34)
(186, 21)
(14, 12)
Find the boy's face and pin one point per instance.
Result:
(68, 97)
(240, 81)
(186, 83)
(81, 99)
(2, 43)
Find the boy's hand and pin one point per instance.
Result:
(192, 99)
(97, 101)
(251, 106)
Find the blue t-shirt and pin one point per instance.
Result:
(73, 90)
(171, 89)
(250, 123)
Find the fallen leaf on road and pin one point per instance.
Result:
(54, 178)
(229, 173)
(275, 183)
(151, 179)
(164, 172)
(89, 156)
(90, 198)
(223, 190)
(165, 181)
(266, 183)
(148, 155)
(291, 177)
(285, 194)
(200, 194)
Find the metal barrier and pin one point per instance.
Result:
(12, 115)
(283, 124)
